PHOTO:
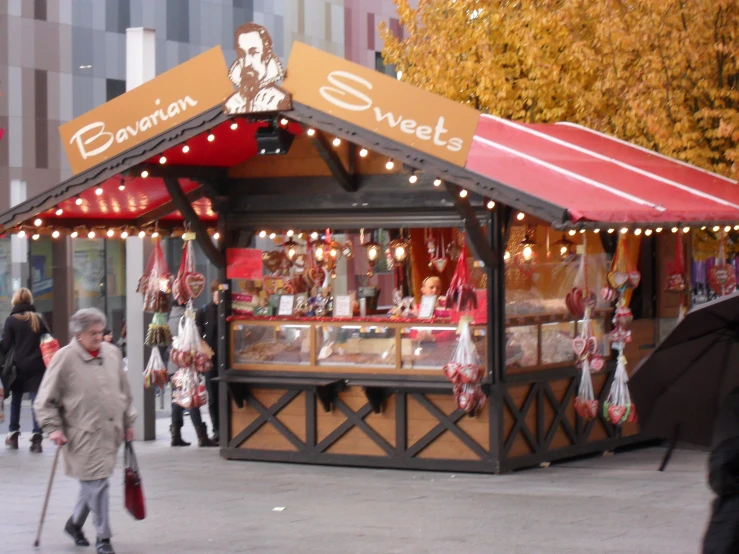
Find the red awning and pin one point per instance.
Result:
(598, 178)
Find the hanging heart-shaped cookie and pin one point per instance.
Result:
(722, 279)
(440, 264)
(634, 278)
(272, 260)
(618, 279)
(194, 284)
(579, 346)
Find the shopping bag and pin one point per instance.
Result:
(49, 347)
(133, 491)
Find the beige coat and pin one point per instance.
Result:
(90, 400)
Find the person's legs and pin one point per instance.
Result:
(213, 402)
(36, 426)
(197, 419)
(200, 428)
(99, 502)
(16, 397)
(74, 524)
(176, 428)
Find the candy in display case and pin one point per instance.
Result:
(431, 347)
(556, 342)
(287, 344)
(522, 346)
(356, 345)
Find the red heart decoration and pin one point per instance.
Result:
(631, 418)
(597, 363)
(579, 345)
(586, 408)
(451, 370)
(634, 278)
(592, 345)
(616, 414)
(194, 284)
(722, 279)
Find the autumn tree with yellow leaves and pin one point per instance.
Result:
(660, 73)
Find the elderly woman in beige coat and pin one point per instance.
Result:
(85, 403)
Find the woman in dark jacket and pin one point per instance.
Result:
(722, 535)
(23, 330)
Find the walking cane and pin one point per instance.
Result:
(46, 501)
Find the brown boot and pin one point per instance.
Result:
(176, 432)
(203, 440)
(36, 439)
(11, 441)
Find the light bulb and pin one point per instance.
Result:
(272, 235)
(611, 230)
(234, 126)
(337, 141)
(507, 255)
(596, 231)
(687, 229)
(211, 137)
(110, 233)
(572, 232)
(59, 211)
(290, 232)
(624, 230)
(363, 153)
(637, 232)
(74, 234)
(491, 204)
(163, 160)
(37, 222)
(262, 234)
(291, 253)
(716, 229)
(390, 164)
(520, 216)
(185, 149)
(124, 234)
(564, 250)
(658, 230)
(703, 228)
(55, 234)
(311, 132)
(35, 236)
(399, 252)
(736, 227)
(142, 234)
(283, 121)
(155, 234)
(582, 231)
(99, 191)
(78, 201)
(91, 235)
(437, 182)
(674, 229)
(314, 235)
(144, 174)
(648, 232)
(21, 234)
(413, 179)
(216, 235)
(463, 193)
(527, 252)
(121, 187)
(372, 254)
(727, 228)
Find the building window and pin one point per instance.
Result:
(381, 67)
(113, 88)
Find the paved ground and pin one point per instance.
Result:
(199, 503)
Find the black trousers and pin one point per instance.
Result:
(212, 387)
(178, 419)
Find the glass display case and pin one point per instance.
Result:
(355, 345)
(271, 344)
(432, 348)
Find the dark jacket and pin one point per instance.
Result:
(207, 322)
(722, 535)
(28, 359)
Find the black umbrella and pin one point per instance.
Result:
(679, 388)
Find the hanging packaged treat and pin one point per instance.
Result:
(155, 374)
(158, 333)
(155, 283)
(586, 405)
(466, 371)
(722, 276)
(189, 284)
(618, 408)
(461, 295)
(581, 297)
(676, 274)
(189, 350)
(623, 275)
(189, 389)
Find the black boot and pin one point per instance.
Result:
(104, 547)
(175, 431)
(216, 437)
(75, 532)
(36, 439)
(203, 439)
(12, 440)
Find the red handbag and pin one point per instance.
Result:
(133, 491)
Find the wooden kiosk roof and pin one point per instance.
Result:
(563, 174)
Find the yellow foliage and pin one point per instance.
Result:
(660, 73)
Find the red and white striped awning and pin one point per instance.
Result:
(598, 178)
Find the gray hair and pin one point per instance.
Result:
(84, 319)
